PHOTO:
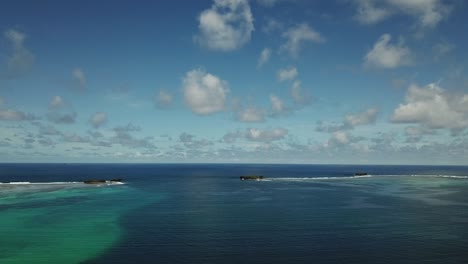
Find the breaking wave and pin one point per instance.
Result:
(320, 178)
(39, 183)
(363, 176)
(442, 176)
(58, 183)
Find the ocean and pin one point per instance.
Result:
(203, 213)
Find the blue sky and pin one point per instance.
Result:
(263, 81)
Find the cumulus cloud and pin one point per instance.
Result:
(123, 136)
(75, 138)
(386, 55)
(46, 142)
(340, 131)
(342, 141)
(62, 118)
(98, 119)
(297, 36)
(95, 134)
(14, 115)
(127, 128)
(427, 13)
(79, 79)
(189, 141)
(265, 135)
(163, 99)
(329, 127)
(366, 117)
(60, 112)
(341, 137)
(368, 12)
(433, 107)
(287, 74)
(21, 60)
(231, 137)
(226, 26)
(264, 57)
(250, 114)
(277, 104)
(204, 93)
(278, 108)
(299, 95)
(415, 133)
(56, 102)
(256, 135)
(48, 130)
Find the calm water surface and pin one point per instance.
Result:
(205, 214)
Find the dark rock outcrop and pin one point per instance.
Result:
(116, 180)
(251, 177)
(360, 173)
(94, 181)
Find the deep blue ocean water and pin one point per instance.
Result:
(203, 213)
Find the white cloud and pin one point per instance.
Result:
(79, 78)
(56, 102)
(297, 36)
(189, 141)
(369, 13)
(300, 97)
(277, 105)
(287, 74)
(433, 107)
(341, 137)
(60, 112)
(386, 55)
(226, 26)
(231, 137)
(261, 135)
(366, 117)
(250, 114)
(340, 131)
(21, 60)
(98, 119)
(428, 13)
(14, 115)
(74, 138)
(204, 93)
(264, 57)
(415, 133)
(62, 118)
(163, 99)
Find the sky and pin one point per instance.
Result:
(234, 81)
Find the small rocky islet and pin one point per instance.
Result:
(251, 177)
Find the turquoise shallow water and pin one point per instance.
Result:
(66, 223)
(205, 214)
